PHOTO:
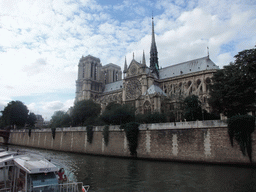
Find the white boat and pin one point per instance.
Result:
(33, 173)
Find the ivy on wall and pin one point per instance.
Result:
(106, 134)
(241, 127)
(132, 132)
(89, 130)
(29, 132)
(53, 132)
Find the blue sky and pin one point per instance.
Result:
(41, 42)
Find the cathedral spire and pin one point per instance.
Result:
(143, 59)
(153, 53)
(125, 66)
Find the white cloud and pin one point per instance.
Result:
(224, 59)
(42, 41)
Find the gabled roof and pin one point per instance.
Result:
(154, 89)
(187, 67)
(113, 86)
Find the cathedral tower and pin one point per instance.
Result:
(89, 82)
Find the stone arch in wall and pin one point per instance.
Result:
(146, 107)
(208, 82)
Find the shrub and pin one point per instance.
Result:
(29, 132)
(89, 130)
(106, 134)
(155, 117)
(53, 132)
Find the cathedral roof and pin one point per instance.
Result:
(154, 89)
(113, 86)
(187, 67)
(111, 65)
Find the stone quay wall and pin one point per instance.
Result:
(198, 141)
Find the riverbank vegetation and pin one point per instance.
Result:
(17, 115)
(233, 93)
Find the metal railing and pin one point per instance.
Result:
(65, 187)
(5, 189)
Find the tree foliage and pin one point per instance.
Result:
(89, 130)
(233, 87)
(241, 127)
(154, 117)
(117, 114)
(60, 119)
(193, 110)
(15, 113)
(132, 132)
(85, 112)
(31, 121)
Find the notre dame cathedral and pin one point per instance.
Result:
(148, 89)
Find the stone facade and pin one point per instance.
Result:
(149, 89)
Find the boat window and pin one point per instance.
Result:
(44, 179)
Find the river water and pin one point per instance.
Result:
(116, 174)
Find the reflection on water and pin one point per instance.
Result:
(114, 174)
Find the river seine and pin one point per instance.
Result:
(116, 174)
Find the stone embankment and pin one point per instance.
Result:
(199, 141)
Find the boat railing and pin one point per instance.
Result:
(5, 190)
(65, 187)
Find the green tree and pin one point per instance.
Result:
(233, 87)
(31, 120)
(193, 110)
(60, 119)
(15, 113)
(1, 123)
(117, 114)
(85, 112)
(240, 128)
(154, 117)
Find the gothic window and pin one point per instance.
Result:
(198, 82)
(147, 107)
(208, 81)
(91, 69)
(201, 89)
(113, 76)
(105, 76)
(83, 70)
(95, 72)
(189, 83)
(116, 75)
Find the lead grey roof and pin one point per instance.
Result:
(154, 89)
(187, 67)
(113, 86)
(111, 65)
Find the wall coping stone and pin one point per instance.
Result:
(210, 124)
